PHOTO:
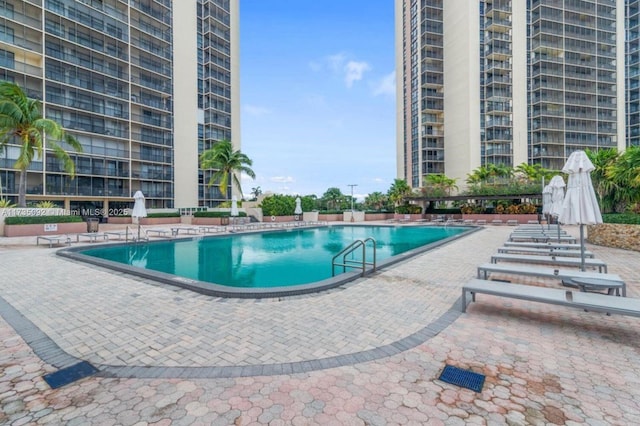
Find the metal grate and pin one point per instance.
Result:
(463, 378)
(70, 374)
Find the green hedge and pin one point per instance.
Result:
(35, 220)
(217, 214)
(168, 214)
(624, 218)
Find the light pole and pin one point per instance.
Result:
(352, 185)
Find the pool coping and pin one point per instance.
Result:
(218, 290)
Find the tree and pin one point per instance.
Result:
(333, 198)
(227, 163)
(439, 183)
(21, 119)
(604, 184)
(256, 192)
(398, 191)
(376, 201)
(625, 173)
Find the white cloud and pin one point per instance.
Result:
(340, 64)
(354, 71)
(336, 62)
(386, 85)
(256, 111)
(282, 179)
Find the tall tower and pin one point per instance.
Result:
(520, 81)
(105, 70)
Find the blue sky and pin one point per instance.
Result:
(318, 95)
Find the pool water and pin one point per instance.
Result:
(269, 259)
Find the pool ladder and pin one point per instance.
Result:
(354, 263)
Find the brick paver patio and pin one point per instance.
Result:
(367, 353)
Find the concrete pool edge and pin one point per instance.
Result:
(218, 290)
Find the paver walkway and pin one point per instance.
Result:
(367, 353)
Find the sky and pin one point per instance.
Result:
(317, 89)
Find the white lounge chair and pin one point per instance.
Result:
(575, 299)
(549, 260)
(544, 251)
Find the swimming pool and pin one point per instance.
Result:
(267, 263)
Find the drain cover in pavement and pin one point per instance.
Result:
(463, 378)
(70, 374)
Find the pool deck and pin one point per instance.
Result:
(367, 353)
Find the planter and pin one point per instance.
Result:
(44, 229)
(119, 220)
(521, 218)
(159, 220)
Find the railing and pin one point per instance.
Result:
(355, 263)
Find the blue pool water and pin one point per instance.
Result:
(268, 259)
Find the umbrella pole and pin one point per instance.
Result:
(558, 226)
(582, 247)
(138, 230)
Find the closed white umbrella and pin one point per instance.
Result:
(580, 205)
(557, 198)
(139, 209)
(298, 209)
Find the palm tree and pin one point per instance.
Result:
(228, 163)
(604, 184)
(376, 200)
(625, 173)
(440, 183)
(21, 118)
(333, 198)
(398, 191)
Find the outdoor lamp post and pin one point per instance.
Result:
(352, 185)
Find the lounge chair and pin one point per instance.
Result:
(538, 238)
(548, 251)
(189, 230)
(575, 299)
(549, 260)
(549, 245)
(54, 239)
(486, 269)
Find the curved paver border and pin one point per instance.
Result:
(49, 351)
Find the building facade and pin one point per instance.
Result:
(524, 82)
(134, 82)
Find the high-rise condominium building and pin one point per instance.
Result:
(513, 81)
(144, 85)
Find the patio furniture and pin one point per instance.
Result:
(580, 300)
(549, 260)
(485, 270)
(91, 236)
(598, 284)
(549, 245)
(156, 232)
(184, 229)
(540, 238)
(543, 251)
(54, 239)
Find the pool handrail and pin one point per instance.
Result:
(362, 264)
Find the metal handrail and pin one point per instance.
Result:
(362, 264)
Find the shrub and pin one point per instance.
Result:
(623, 218)
(33, 220)
(164, 214)
(409, 209)
(217, 214)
